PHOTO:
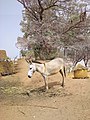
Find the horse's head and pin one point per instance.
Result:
(32, 69)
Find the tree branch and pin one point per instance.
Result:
(51, 5)
(28, 9)
(72, 27)
(41, 10)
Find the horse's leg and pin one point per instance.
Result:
(46, 82)
(64, 69)
(62, 78)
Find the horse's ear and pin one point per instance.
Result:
(28, 60)
(34, 61)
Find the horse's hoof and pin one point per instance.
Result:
(62, 85)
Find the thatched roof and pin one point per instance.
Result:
(79, 67)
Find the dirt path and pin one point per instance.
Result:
(22, 98)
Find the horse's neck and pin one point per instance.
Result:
(39, 67)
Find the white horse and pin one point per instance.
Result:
(48, 68)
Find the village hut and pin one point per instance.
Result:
(80, 72)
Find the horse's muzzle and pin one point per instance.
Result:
(29, 76)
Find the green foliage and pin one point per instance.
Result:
(30, 53)
(44, 51)
(23, 53)
(74, 17)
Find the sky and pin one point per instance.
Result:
(10, 18)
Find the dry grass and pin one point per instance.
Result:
(26, 99)
(6, 68)
(3, 54)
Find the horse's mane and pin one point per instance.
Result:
(40, 61)
(34, 61)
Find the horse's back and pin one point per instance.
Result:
(54, 65)
(56, 61)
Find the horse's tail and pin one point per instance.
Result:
(64, 70)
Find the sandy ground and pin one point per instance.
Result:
(22, 98)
